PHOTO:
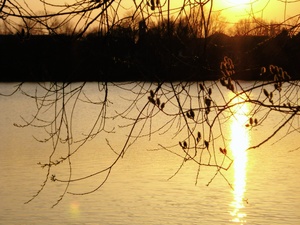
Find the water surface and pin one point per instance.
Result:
(139, 190)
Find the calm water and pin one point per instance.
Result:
(138, 190)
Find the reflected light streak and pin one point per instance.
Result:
(238, 145)
(74, 210)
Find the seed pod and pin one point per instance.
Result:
(230, 63)
(228, 73)
(271, 68)
(255, 121)
(192, 114)
(201, 87)
(223, 151)
(206, 143)
(222, 66)
(231, 66)
(151, 100)
(263, 70)
(223, 73)
(266, 93)
(152, 5)
(279, 88)
(207, 111)
(229, 80)
(184, 144)
(207, 102)
(180, 144)
(158, 102)
(152, 93)
(231, 87)
(251, 121)
(223, 82)
(209, 91)
(188, 114)
(199, 135)
(162, 106)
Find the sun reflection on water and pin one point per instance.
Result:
(74, 210)
(238, 145)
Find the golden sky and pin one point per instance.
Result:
(270, 10)
(232, 10)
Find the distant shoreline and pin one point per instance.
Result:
(60, 58)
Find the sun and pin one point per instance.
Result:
(238, 2)
(234, 10)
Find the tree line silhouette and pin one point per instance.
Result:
(125, 54)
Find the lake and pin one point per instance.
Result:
(141, 188)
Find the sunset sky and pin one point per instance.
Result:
(231, 10)
(271, 10)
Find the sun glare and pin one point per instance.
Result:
(234, 10)
(238, 145)
(238, 2)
